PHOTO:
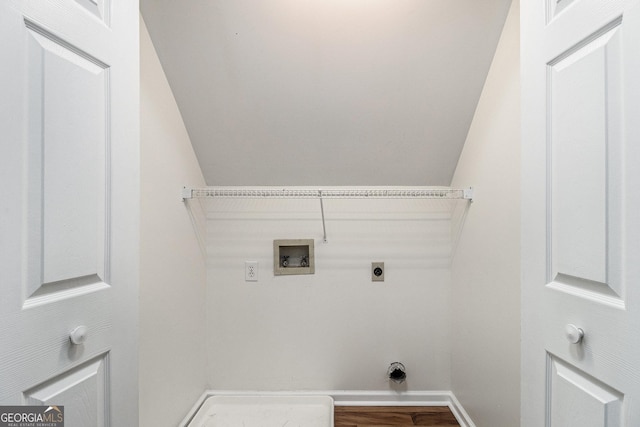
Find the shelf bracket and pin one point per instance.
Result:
(324, 228)
(187, 193)
(467, 194)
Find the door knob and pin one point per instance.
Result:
(573, 334)
(78, 335)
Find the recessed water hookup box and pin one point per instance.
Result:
(293, 256)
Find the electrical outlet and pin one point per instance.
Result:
(377, 271)
(251, 271)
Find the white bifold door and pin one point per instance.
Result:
(69, 167)
(581, 213)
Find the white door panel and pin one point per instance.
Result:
(67, 164)
(580, 227)
(578, 400)
(585, 163)
(69, 207)
(86, 386)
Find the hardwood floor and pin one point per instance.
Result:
(398, 416)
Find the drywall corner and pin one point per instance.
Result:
(486, 266)
(172, 266)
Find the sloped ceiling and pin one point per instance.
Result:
(326, 92)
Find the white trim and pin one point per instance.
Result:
(390, 398)
(356, 398)
(195, 407)
(458, 411)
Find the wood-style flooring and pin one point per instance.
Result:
(398, 416)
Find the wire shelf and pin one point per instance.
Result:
(292, 193)
(210, 193)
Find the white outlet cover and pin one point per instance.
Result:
(251, 271)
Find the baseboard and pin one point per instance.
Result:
(458, 411)
(357, 398)
(194, 409)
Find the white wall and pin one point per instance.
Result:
(335, 329)
(486, 267)
(172, 265)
